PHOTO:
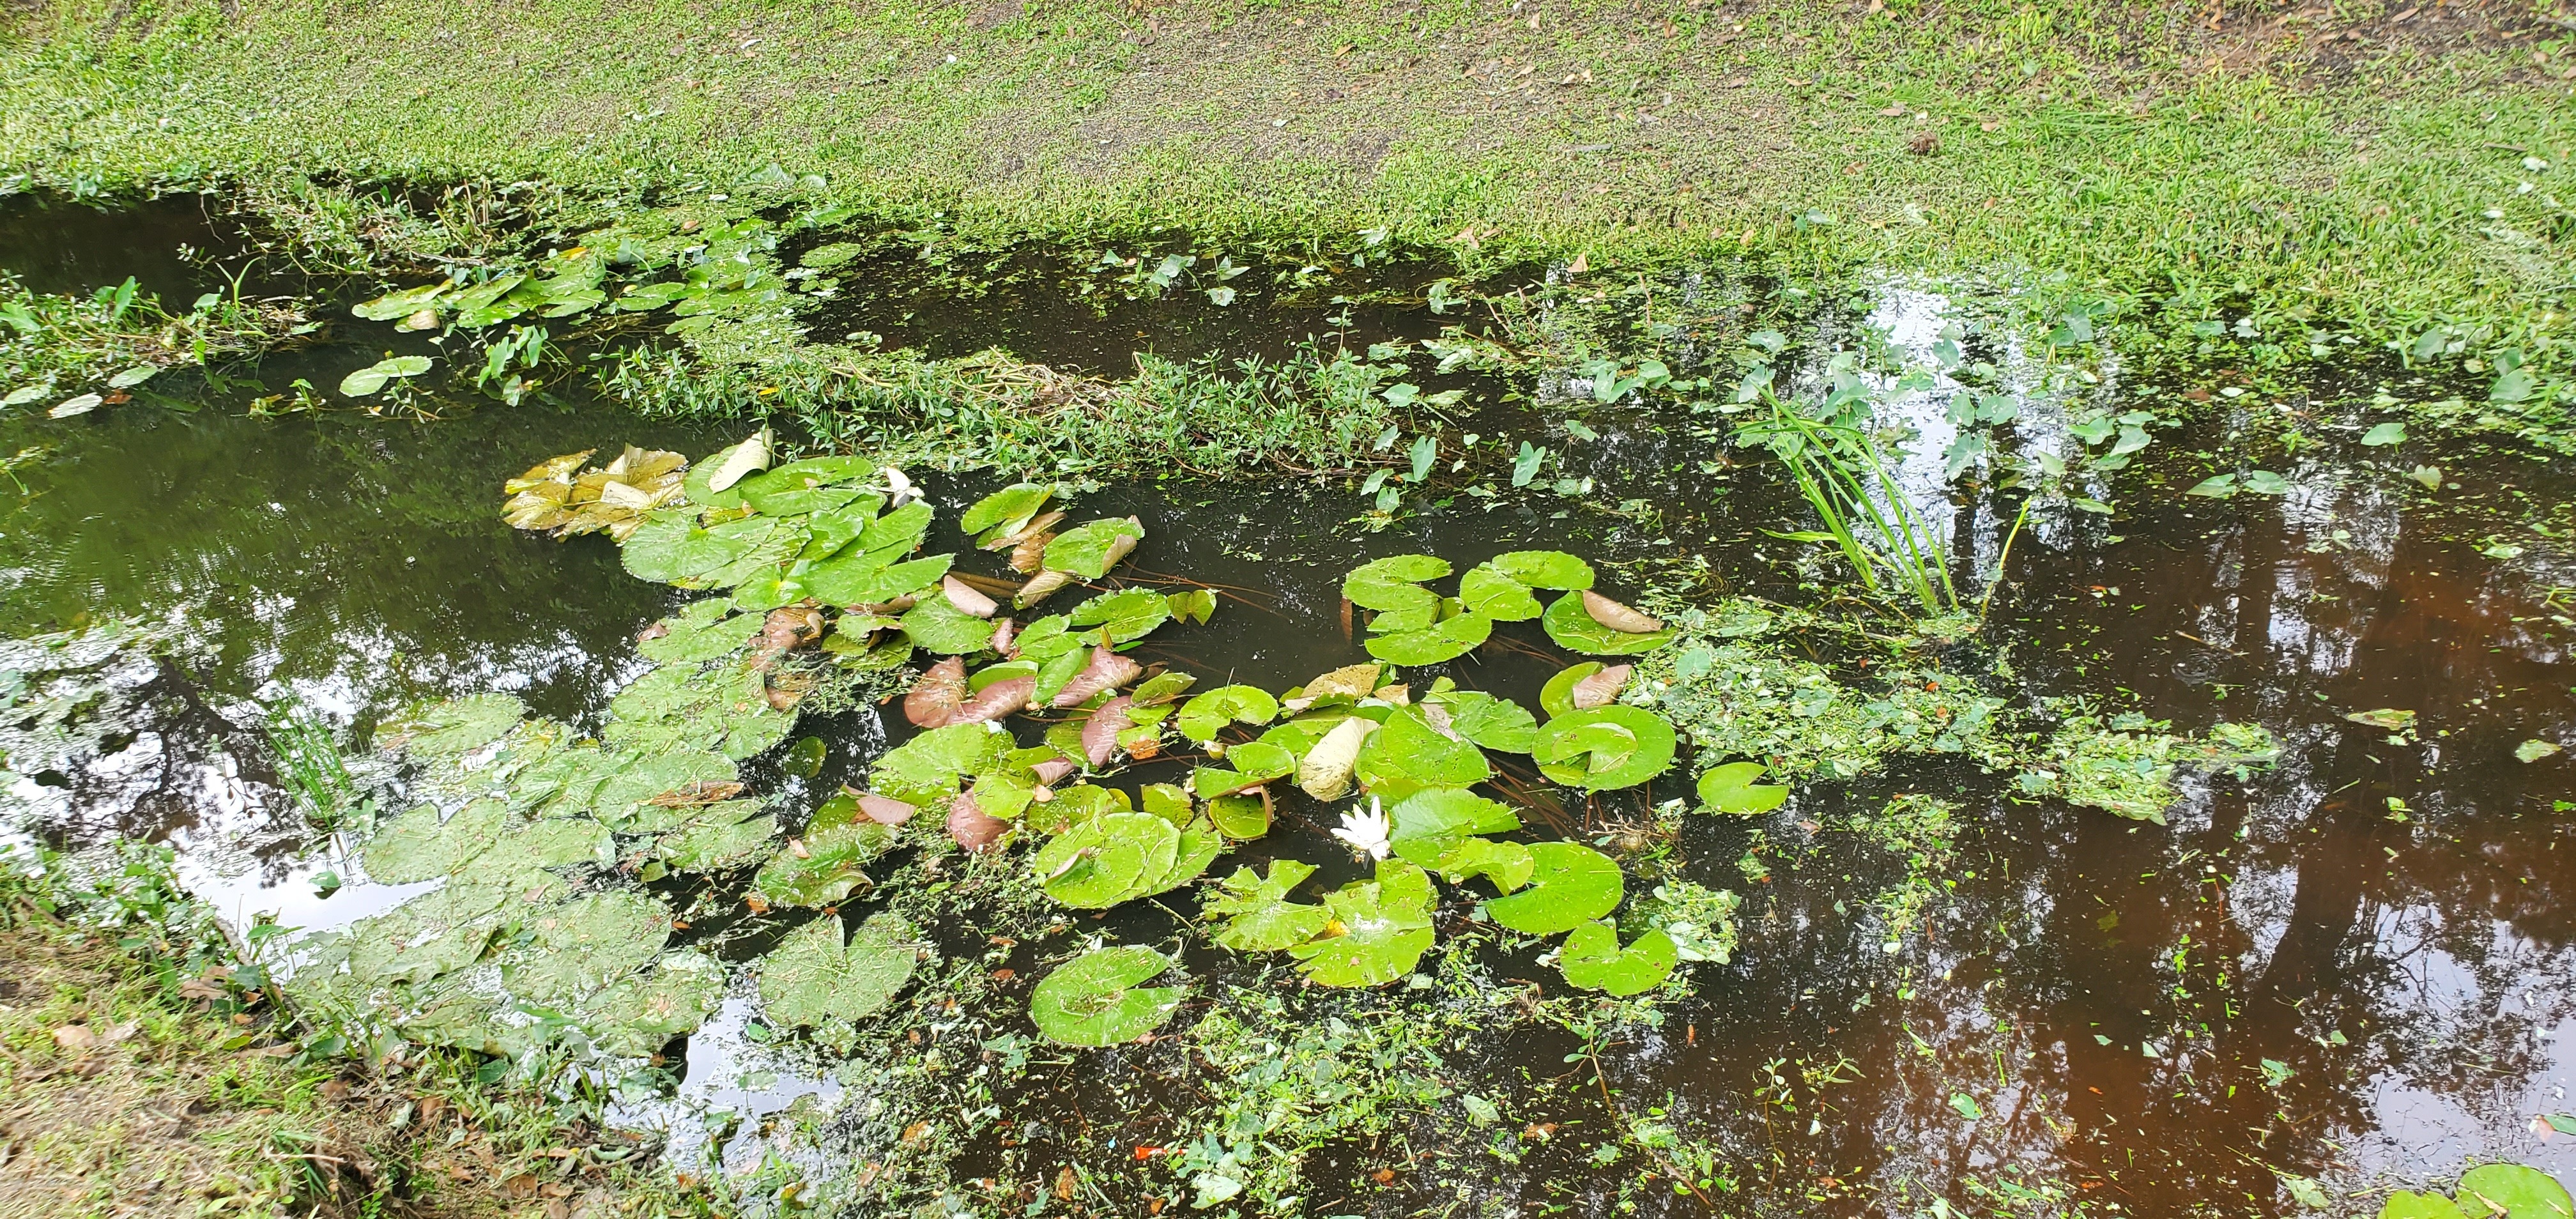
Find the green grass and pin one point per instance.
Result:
(2369, 182)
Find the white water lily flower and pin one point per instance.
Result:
(1365, 832)
(899, 489)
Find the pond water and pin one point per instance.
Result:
(2357, 965)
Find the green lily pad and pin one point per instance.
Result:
(1089, 550)
(831, 868)
(1490, 722)
(578, 948)
(1605, 747)
(1551, 569)
(1428, 824)
(1121, 616)
(930, 768)
(447, 728)
(1485, 591)
(1097, 998)
(648, 795)
(1407, 754)
(1257, 914)
(368, 380)
(1207, 714)
(2517, 1191)
(419, 845)
(1508, 864)
(704, 631)
(1197, 605)
(1379, 929)
(1592, 959)
(635, 1016)
(860, 580)
(814, 979)
(712, 843)
(936, 626)
(1572, 885)
(2407, 1204)
(1449, 639)
(559, 842)
(1394, 584)
(1252, 764)
(1731, 789)
(1108, 859)
(1574, 630)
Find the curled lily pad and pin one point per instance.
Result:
(1557, 696)
(1379, 929)
(1007, 509)
(816, 980)
(1257, 914)
(732, 465)
(1240, 817)
(1090, 550)
(1207, 714)
(1508, 864)
(1593, 959)
(1605, 747)
(1108, 859)
(451, 727)
(1098, 998)
(1570, 886)
(1731, 789)
(1325, 771)
(1197, 605)
(1448, 639)
(1394, 584)
(1429, 823)
(1163, 687)
(1576, 630)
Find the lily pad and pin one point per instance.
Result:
(636, 1016)
(373, 377)
(936, 625)
(1097, 998)
(1257, 914)
(1394, 584)
(1407, 754)
(1592, 959)
(2517, 1192)
(451, 727)
(1573, 628)
(1486, 591)
(1207, 714)
(1571, 885)
(1252, 763)
(1557, 696)
(419, 845)
(1731, 789)
(814, 979)
(1432, 822)
(1449, 639)
(1119, 617)
(1379, 929)
(1090, 550)
(1491, 722)
(578, 948)
(1010, 506)
(2407, 1204)
(1550, 569)
(1605, 747)
(1239, 817)
(930, 768)
(703, 632)
(709, 843)
(1325, 771)
(1509, 865)
(1108, 859)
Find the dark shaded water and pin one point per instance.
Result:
(2090, 1011)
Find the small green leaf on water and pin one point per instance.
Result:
(2385, 434)
(132, 377)
(2407, 1204)
(1096, 999)
(2429, 476)
(2307, 1192)
(2513, 1191)
(368, 380)
(805, 758)
(2388, 718)
(1091, 549)
(1731, 789)
(2218, 486)
(1257, 914)
(2265, 482)
(2533, 750)
(1967, 1106)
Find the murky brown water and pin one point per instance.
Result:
(2086, 1017)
